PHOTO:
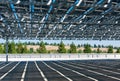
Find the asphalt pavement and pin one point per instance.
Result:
(74, 70)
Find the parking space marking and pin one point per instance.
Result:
(5, 65)
(100, 66)
(42, 74)
(58, 72)
(24, 72)
(100, 69)
(97, 68)
(76, 72)
(9, 71)
(93, 71)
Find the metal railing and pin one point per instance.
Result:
(39, 57)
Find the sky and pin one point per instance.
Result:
(115, 43)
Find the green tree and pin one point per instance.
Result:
(25, 43)
(19, 48)
(1, 48)
(95, 46)
(31, 50)
(87, 48)
(82, 45)
(99, 46)
(110, 49)
(78, 46)
(55, 44)
(94, 51)
(11, 47)
(73, 48)
(61, 48)
(46, 43)
(4, 50)
(37, 43)
(103, 46)
(80, 51)
(98, 50)
(25, 50)
(42, 48)
(118, 50)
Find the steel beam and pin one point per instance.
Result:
(45, 18)
(15, 14)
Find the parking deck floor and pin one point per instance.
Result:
(92, 70)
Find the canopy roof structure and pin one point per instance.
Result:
(60, 19)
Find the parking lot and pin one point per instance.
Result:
(92, 70)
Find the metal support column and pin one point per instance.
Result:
(6, 49)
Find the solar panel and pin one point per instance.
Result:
(60, 19)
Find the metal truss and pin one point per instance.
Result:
(60, 19)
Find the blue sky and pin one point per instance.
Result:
(92, 42)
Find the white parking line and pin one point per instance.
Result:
(97, 68)
(9, 71)
(101, 66)
(76, 72)
(58, 72)
(24, 72)
(5, 65)
(42, 74)
(118, 69)
(93, 71)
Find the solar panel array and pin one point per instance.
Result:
(60, 19)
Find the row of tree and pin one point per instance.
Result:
(22, 48)
(12, 48)
(57, 44)
(87, 49)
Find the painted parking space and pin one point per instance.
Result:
(60, 71)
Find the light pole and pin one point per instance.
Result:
(6, 49)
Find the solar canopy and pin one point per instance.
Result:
(60, 19)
